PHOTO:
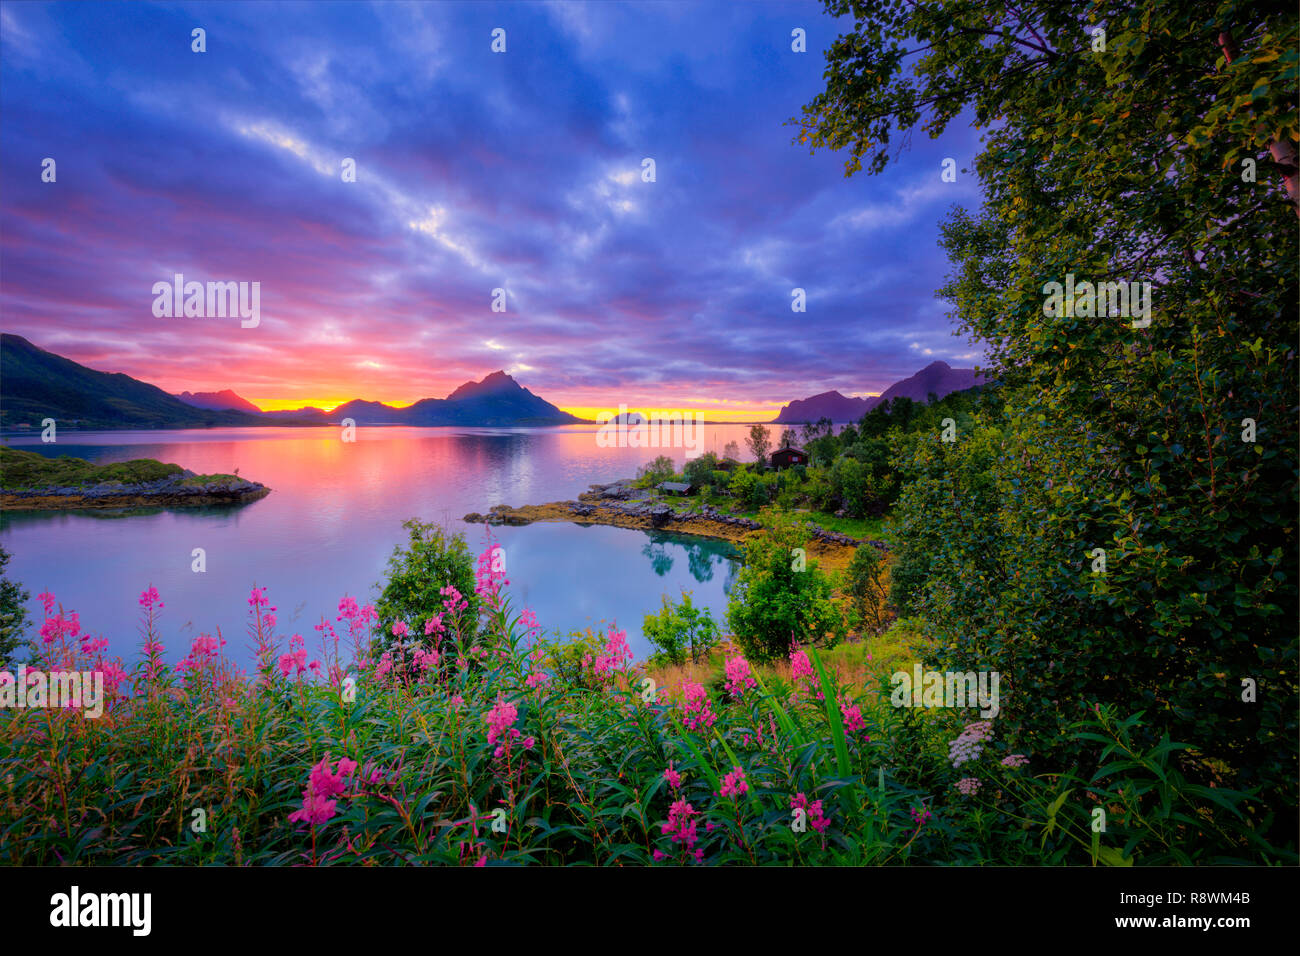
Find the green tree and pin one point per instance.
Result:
(13, 616)
(780, 596)
(759, 442)
(680, 629)
(1115, 158)
(866, 589)
(699, 471)
(660, 470)
(432, 559)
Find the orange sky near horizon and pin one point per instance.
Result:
(731, 413)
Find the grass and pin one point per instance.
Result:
(27, 470)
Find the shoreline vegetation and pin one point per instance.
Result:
(33, 482)
(620, 504)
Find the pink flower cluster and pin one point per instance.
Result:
(323, 784)
(537, 677)
(673, 777)
(487, 579)
(452, 599)
(801, 669)
(738, 677)
(204, 650)
(696, 707)
(852, 716)
(149, 600)
(970, 744)
(734, 783)
(920, 815)
(617, 654)
(813, 811)
(1014, 761)
(969, 786)
(295, 662)
(681, 828)
(500, 721)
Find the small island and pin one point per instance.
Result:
(33, 482)
(636, 503)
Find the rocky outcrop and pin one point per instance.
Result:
(178, 490)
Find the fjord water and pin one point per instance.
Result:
(332, 519)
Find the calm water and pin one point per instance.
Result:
(333, 518)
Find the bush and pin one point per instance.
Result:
(773, 603)
(677, 630)
(433, 559)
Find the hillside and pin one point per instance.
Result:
(36, 384)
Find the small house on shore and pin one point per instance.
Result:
(728, 464)
(786, 457)
(678, 488)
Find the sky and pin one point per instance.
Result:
(476, 170)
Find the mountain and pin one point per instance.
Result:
(36, 384)
(832, 405)
(217, 401)
(938, 378)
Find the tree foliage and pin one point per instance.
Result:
(1119, 161)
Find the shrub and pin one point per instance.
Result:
(433, 559)
(773, 603)
(680, 629)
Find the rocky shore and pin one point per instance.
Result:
(620, 505)
(178, 490)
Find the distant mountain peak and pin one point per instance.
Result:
(224, 399)
(938, 378)
(492, 384)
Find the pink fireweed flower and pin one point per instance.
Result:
(812, 811)
(851, 714)
(968, 786)
(529, 620)
(739, 678)
(696, 707)
(400, 629)
(433, 624)
(803, 673)
(348, 609)
(673, 777)
(500, 721)
(734, 784)
(47, 601)
(451, 599)
(681, 824)
(148, 599)
(617, 654)
(295, 662)
(487, 579)
(920, 815)
(322, 784)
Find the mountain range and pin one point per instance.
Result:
(937, 378)
(36, 384)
